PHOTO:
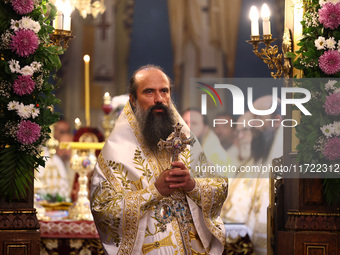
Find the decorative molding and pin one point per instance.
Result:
(25, 219)
(315, 221)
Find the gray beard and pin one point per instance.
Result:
(155, 126)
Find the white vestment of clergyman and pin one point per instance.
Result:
(132, 217)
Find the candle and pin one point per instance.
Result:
(87, 90)
(107, 98)
(265, 14)
(254, 17)
(77, 124)
(67, 15)
(58, 21)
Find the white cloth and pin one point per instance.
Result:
(124, 198)
(53, 177)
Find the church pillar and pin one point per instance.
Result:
(19, 226)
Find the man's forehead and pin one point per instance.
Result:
(149, 75)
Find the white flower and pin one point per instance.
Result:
(35, 26)
(14, 66)
(327, 130)
(15, 25)
(330, 42)
(322, 2)
(26, 70)
(13, 105)
(320, 43)
(36, 66)
(24, 111)
(339, 45)
(330, 85)
(34, 111)
(26, 23)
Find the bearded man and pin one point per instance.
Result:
(142, 201)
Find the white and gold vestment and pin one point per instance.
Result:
(132, 217)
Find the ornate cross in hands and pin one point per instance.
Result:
(176, 142)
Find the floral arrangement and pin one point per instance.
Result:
(27, 61)
(319, 57)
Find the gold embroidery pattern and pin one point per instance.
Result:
(207, 203)
(119, 169)
(193, 236)
(130, 222)
(138, 184)
(198, 253)
(107, 213)
(108, 174)
(141, 165)
(178, 237)
(158, 244)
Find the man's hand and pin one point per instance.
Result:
(171, 180)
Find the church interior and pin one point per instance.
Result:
(195, 42)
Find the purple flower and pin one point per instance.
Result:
(332, 149)
(329, 62)
(28, 132)
(24, 42)
(329, 15)
(23, 6)
(23, 85)
(332, 104)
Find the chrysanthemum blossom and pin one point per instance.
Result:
(330, 42)
(26, 71)
(329, 62)
(332, 104)
(36, 66)
(332, 149)
(327, 130)
(329, 15)
(13, 105)
(330, 85)
(24, 42)
(24, 111)
(320, 43)
(23, 85)
(14, 65)
(23, 6)
(28, 132)
(15, 25)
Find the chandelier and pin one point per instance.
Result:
(87, 7)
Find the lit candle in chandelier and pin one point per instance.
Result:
(58, 21)
(67, 15)
(87, 90)
(254, 17)
(265, 14)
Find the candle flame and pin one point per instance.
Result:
(86, 58)
(67, 8)
(265, 12)
(253, 14)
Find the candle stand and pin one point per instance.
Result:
(270, 54)
(61, 38)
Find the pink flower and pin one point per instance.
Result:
(332, 104)
(28, 132)
(329, 62)
(24, 42)
(23, 85)
(332, 149)
(23, 6)
(329, 15)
